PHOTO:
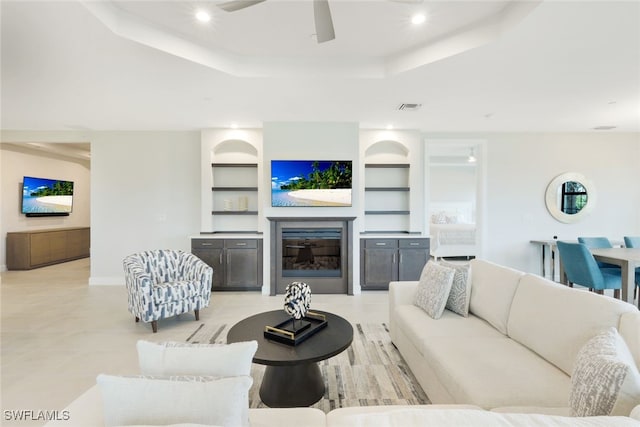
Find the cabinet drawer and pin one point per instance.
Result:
(414, 243)
(381, 243)
(206, 243)
(241, 244)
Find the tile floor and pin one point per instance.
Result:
(58, 333)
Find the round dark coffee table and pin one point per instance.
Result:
(292, 376)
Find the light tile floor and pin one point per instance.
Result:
(58, 333)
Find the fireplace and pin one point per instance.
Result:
(317, 251)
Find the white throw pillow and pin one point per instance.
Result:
(459, 297)
(433, 288)
(179, 400)
(605, 379)
(179, 358)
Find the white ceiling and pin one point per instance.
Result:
(475, 66)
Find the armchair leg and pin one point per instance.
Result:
(197, 314)
(616, 293)
(154, 326)
(137, 319)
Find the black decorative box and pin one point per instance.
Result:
(291, 333)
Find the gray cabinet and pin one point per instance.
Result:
(236, 263)
(386, 260)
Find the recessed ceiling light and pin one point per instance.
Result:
(389, 127)
(203, 16)
(234, 125)
(418, 18)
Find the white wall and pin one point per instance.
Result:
(520, 166)
(146, 195)
(17, 162)
(145, 187)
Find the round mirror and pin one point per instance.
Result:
(570, 197)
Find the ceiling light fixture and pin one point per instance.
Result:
(389, 127)
(418, 18)
(234, 125)
(203, 16)
(472, 157)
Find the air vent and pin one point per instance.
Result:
(409, 107)
(604, 127)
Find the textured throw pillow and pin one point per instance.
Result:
(460, 294)
(433, 288)
(164, 401)
(605, 379)
(179, 358)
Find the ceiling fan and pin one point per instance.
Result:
(321, 15)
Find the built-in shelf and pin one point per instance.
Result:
(234, 212)
(234, 188)
(387, 165)
(386, 189)
(387, 212)
(234, 165)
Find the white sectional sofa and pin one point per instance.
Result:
(516, 348)
(87, 411)
(507, 364)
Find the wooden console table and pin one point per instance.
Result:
(37, 248)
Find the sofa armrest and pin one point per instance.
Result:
(400, 293)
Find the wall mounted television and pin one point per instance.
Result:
(46, 197)
(311, 182)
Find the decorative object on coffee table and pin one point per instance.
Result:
(303, 323)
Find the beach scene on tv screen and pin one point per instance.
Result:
(310, 183)
(41, 195)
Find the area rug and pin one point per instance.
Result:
(370, 372)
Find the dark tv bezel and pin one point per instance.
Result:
(311, 161)
(44, 214)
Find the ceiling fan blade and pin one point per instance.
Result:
(232, 6)
(324, 23)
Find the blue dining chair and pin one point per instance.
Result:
(598, 242)
(581, 268)
(634, 242)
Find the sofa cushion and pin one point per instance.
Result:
(162, 401)
(555, 321)
(605, 379)
(419, 327)
(453, 416)
(492, 372)
(492, 289)
(180, 358)
(458, 300)
(629, 329)
(433, 288)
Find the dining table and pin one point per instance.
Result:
(628, 259)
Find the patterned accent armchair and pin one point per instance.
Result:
(165, 283)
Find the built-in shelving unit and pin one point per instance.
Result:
(387, 184)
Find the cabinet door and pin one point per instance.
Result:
(213, 257)
(414, 254)
(412, 262)
(242, 267)
(380, 268)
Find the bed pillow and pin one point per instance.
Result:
(175, 400)
(433, 288)
(459, 296)
(605, 379)
(179, 358)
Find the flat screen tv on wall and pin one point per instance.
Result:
(46, 197)
(311, 183)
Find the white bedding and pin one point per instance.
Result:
(449, 240)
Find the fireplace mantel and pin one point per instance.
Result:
(341, 284)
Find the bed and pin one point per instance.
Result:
(453, 230)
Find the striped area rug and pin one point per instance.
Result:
(370, 372)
